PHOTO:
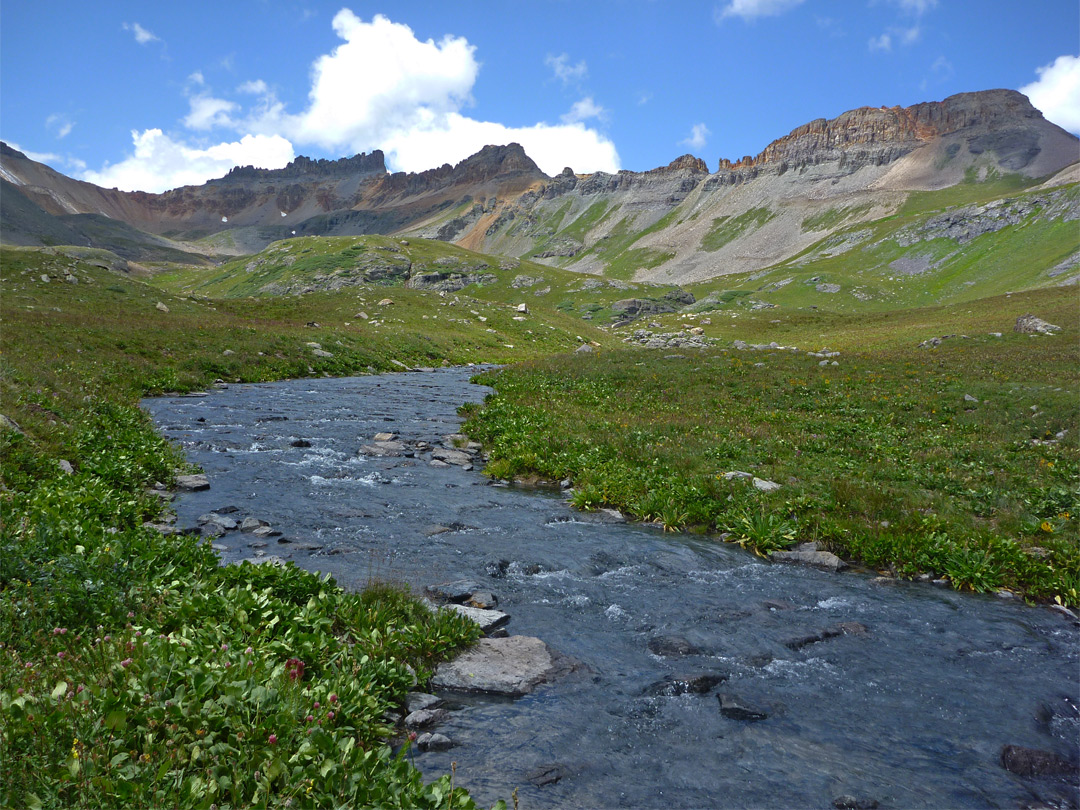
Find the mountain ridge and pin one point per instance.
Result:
(663, 219)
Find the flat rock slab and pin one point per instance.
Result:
(458, 457)
(192, 483)
(818, 559)
(512, 666)
(487, 619)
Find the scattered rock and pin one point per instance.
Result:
(737, 709)
(65, 466)
(485, 600)
(459, 591)
(488, 620)
(762, 485)
(160, 307)
(512, 666)
(192, 483)
(523, 309)
(844, 628)
(675, 685)
(386, 302)
(384, 437)
(585, 348)
(434, 742)
(226, 523)
(425, 718)
(1030, 762)
(415, 701)
(547, 774)
(9, 424)
(450, 456)
(1030, 325)
(672, 646)
(300, 443)
(250, 524)
(818, 559)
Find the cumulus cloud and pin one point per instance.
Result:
(159, 162)
(751, 9)
(583, 110)
(882, 43)
(142, 36)
(699, 136)
(1057, 92)
(564, 71)
(381, 88)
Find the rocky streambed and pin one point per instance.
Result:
(677, 671)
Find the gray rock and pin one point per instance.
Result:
(434, 742)
(763, 485)
(226, 523)
(818, 559)
(970, 398)
(511, 666)
(250, 524)
(675, 685)
(584, 348)
(266, 531)
(1029, 762)
(737, 709)
(672, 646)
(1030, 325)
(460, 590)
(415, 701)
(300, 443)
(7, 423)
(485, 600)
(547, 774)
(425, 718)
(384, 437)
(192, 483)
(736, 474)
(450, 456)
(65, 466)
(488, 620)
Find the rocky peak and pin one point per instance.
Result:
(686, 162)
(303, 168)
(891, 131)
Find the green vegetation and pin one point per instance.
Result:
(880, 459)
(627, 264)
(727, 229)
(831, 217)
(971, 190)
(136, 670)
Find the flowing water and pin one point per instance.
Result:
(913, 712)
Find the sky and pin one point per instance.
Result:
(154, 95)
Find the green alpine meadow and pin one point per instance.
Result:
(864, 341)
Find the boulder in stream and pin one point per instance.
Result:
(1029, 762)
(512, 666)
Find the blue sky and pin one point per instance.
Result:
(154, 95)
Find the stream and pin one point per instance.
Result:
(909, 708)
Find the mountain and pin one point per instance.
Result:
(677, 223)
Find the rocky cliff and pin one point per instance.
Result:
(678, 222)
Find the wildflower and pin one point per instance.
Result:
(329, 715)
(317, 704)
(248, 651)
(138, 633)
(309, 718)
(108, 638)
(272, 739)
(126, 662)
(131, 614)
(1046, 527)
(61, 655)
(333, 697)
(224, 647)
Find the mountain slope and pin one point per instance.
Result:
(676, 224)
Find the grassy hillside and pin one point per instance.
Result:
(958, 461)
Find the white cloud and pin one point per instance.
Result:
(564, 71)
(161, 163)
(208, 112)
(381, 88)
(60, 123)
(142, 36)
(750, 9)
(1057, 92)
(882, 43)
(699, 135)
(255, 88)
(583, 110)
